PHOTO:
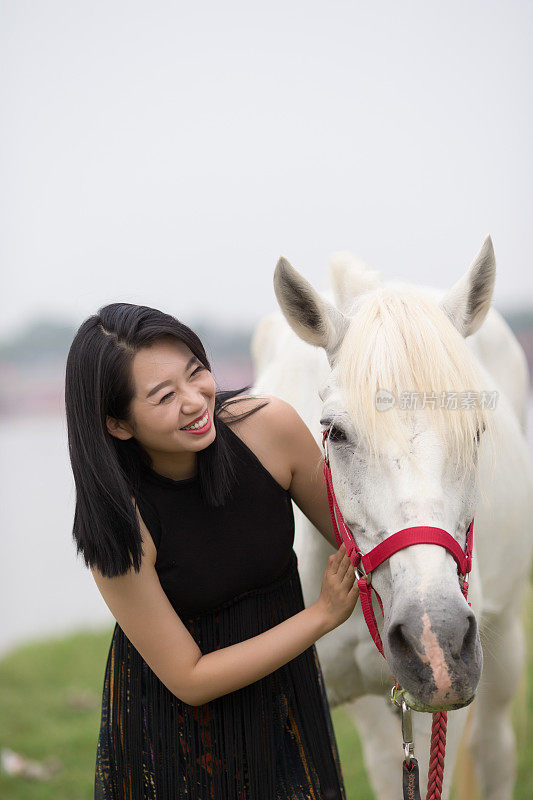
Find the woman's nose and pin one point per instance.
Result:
(193, 401)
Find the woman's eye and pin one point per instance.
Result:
(337, 434)
(198, 369)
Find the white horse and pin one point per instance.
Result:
(418, 463)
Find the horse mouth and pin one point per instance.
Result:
(418, 705)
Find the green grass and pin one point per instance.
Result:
(37, 720)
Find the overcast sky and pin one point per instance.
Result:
(166, 153)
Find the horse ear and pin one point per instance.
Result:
(468, 301)
(311, 317)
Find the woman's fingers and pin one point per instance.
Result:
(341, 563)
(341, 552)
(344, 567)
(349, 575)
(337, 558)
(354, 591)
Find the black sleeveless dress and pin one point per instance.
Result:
(230, 573)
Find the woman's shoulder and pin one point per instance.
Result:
(272, 412)
(265, 432)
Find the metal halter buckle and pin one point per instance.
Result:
(360, 572)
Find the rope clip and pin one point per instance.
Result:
(396, 697)
(407, 733)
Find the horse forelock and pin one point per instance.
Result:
(399, 341)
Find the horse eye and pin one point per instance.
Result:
(479, 432)
(337, 434)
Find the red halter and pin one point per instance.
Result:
(365, 563)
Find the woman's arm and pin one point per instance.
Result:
(143, 611)
(238, 665)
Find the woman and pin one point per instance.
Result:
(212, 687)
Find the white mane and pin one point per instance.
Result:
(400, 341)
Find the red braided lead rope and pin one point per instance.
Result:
(436, 755)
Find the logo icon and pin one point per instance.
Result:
(384, 400)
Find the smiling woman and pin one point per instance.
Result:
(113, 385)
(171, 426)
(212, 686)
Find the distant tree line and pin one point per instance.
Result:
(49, 340)
(45, 339)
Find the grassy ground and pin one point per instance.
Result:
(49, 706)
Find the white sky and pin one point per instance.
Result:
(166, 153)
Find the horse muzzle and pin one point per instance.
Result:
(434, 652)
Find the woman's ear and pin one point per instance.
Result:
(118, 429)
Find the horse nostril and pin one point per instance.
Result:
(399, 643)
(469, 639)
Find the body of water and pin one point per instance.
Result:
(44, 587)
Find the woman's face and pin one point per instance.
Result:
(172, 390)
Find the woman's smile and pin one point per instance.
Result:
(200, 425)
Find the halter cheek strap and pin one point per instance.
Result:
(365, 563)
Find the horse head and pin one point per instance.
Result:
(403, 453)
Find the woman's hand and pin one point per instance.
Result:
(339, 592)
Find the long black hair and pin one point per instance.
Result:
(99, 383)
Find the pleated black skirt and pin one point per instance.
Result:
(270, 740)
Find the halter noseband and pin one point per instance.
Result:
(365, 564)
